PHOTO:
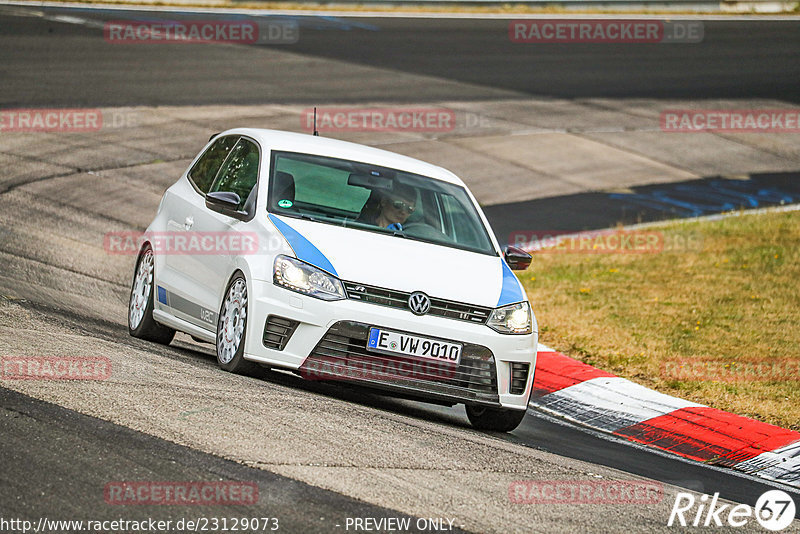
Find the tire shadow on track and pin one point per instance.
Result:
(202, 355)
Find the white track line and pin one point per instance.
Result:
(611, 403)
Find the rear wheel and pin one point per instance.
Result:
(232, 328)
(495, 419)
(140, 307)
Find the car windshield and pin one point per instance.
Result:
(377, 199)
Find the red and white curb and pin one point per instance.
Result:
(578, 392)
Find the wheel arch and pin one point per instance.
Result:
(227, 285)
(139, 254)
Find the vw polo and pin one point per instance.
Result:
(361, 265)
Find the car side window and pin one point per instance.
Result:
(207, 167)
(239, 173)
(322, 186)
(460, 228)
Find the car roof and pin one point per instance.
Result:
(324, 146)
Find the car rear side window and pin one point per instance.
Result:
(207, 167)
(239, 173)
(323, 186)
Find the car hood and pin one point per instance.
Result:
(392, 262)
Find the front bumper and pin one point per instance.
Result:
(328, 341)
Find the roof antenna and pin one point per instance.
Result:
(315, 122)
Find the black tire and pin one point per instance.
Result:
(147, 328)
(494, 419)
(226, 331)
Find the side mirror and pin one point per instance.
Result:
(517, 259)
(226, 203)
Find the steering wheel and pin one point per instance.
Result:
(425, 231)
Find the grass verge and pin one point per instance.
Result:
(713, 316)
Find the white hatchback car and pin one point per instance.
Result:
(339, 262)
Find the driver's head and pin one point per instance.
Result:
(398, 204)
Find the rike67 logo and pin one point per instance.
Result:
(774, 510)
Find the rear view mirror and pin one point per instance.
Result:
(517, 259)
(370, 181)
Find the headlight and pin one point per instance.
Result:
(299, 276)
(511, 319)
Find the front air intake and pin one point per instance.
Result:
(342, 353)
(519, 377)
(277, 332)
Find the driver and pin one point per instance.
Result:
(394, 208)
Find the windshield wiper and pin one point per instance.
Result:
(298, 215)
(395, 233)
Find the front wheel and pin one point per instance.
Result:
(232, 327)
(494, 419)
(140, 306)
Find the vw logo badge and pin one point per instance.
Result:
(419, 303)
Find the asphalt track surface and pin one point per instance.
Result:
(74, 67)
(38, 482)
(51, 63)
(597, 210)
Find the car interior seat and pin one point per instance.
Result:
(283, 187)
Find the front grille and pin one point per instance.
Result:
(342, 355)
(277, 332)
(519, 377)
(399, 299)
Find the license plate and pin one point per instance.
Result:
(381, 340)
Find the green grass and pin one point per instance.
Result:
(732, 297)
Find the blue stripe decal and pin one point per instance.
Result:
(511, 291)
(162, 295)
(303, 248)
